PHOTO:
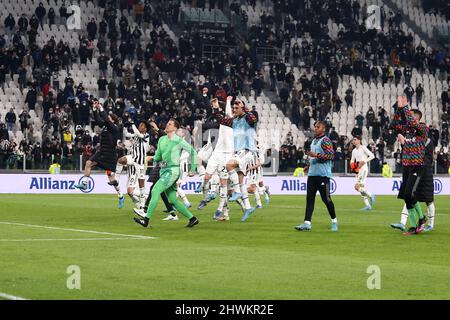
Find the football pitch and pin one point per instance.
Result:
(44, 238)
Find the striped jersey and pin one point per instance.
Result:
(416, 135)
(139, 146)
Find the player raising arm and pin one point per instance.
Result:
(106, 155)
(243, 123)
(407, 123)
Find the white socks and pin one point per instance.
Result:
(245, 196)
(215, 183)
(223, 197)
(431, 214)
(365, 195)
(119, 193)
(201, 173)
(261, 190)
(404, 216)
(205, 189)
(135, 198)
(258, 196)
(234, 178)
(366, 201)
(182, 195)
(142, 196)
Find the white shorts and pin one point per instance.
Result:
(244, 158)
(135, 172)
(362, 175)
(205, 152)
(217, 164)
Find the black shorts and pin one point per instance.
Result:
(154, 174)
(425, 190)
(412, 176)
(106, 163)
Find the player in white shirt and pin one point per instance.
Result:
(222, 153)
(360, 157)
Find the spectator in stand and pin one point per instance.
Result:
(4, 134)
(409, 91)
(442, 161)
(419, 94)
(92, 29)
(349, 96)
(359, 120)
(23, 120)
(10, 23)
(51, 16)
(398, 76)
(370, 117)
(31, 97)
(433, 133)
(10, 120)
(40, 13)
(445, 98)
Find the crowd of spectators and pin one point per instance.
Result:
(161, 78)
(375, 56)
(436, 6)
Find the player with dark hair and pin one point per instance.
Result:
(244, 123)
(153, 178)
(319, 174)
(361, 156)
(135, 162)
(168, 152)
(425, 189)
(414, 134)
(106, 156)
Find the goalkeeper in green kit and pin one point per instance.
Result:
(168, 153)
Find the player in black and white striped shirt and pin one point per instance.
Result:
(135, 160)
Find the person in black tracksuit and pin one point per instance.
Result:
(106, 155)
(424, 192)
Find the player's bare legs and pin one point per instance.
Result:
(87, 173)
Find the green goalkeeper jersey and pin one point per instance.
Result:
(169, 152)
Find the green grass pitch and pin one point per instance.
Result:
(263, 258)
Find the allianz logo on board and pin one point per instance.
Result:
(50, 183)
(300, 185)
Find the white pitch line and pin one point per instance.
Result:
(75, 230)
(10, 297)
(79, 239)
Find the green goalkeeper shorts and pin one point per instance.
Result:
(168, 177)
